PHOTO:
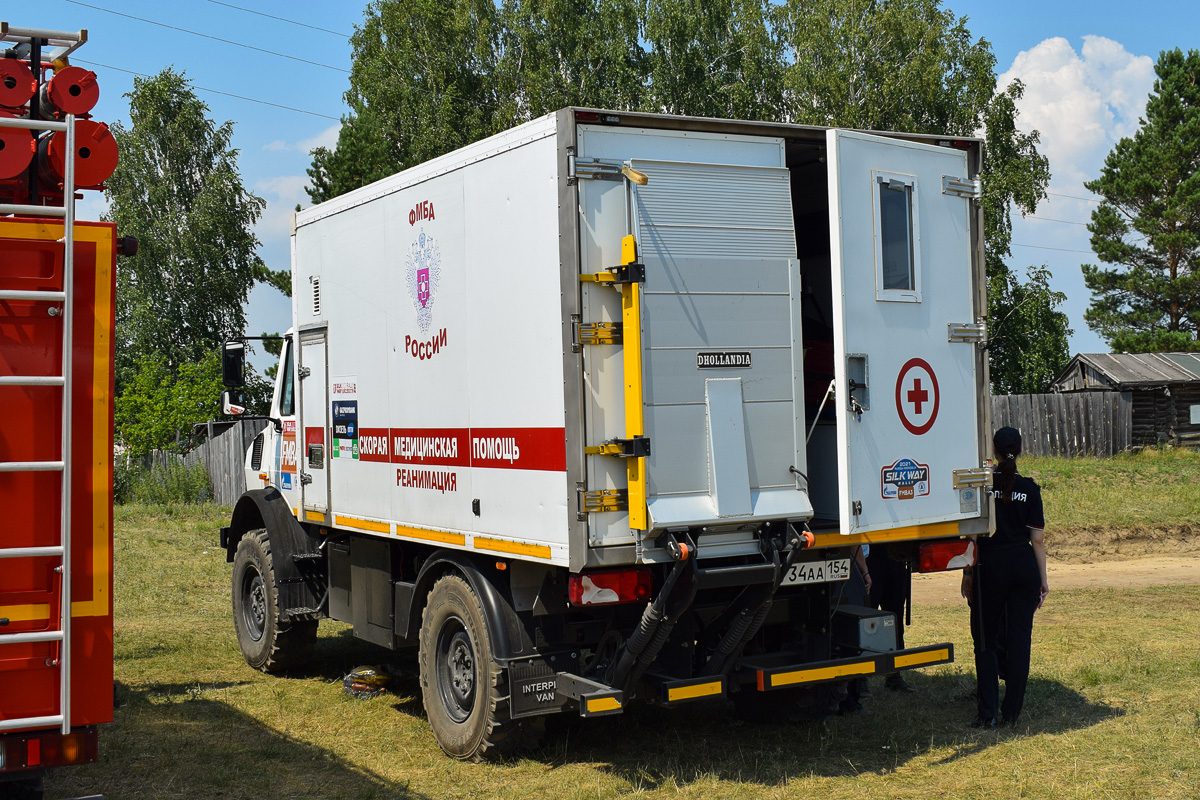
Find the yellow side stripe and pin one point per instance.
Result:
(362, 524)
(516, 548)
(34, 613)
(314, 516)
(441, 537)
(822, 673)
(916, 659)
(689, 692)
(910, 532)
(603, 704)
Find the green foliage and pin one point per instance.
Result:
(904, 65)
(178, 190)
(160, 405)
(712, 58)
(160, 484)
(556, 53)
(1027, 343)
(362, 155)
(901, 65)
(1148, 226)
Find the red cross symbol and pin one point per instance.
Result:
(917, 396)
(911, 403)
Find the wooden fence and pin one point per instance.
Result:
(1076, 424)
(223, 456)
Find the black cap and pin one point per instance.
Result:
(1007, 442)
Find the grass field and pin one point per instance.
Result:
(1155, 488)
(1113, 709)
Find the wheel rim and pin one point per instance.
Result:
(456, 670)
(254, 603)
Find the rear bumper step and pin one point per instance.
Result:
(785, 670)
(595, 699)
(668, 691)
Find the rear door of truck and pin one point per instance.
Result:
(909, 374)
(720, 334)
(716, 384)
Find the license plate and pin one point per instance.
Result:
(832, 569)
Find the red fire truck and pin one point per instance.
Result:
(56, 413)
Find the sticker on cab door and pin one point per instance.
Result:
(904, 479)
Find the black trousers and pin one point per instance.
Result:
(1007, 589)
(889, 586)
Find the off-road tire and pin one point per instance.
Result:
(267, 642)
(464, 690)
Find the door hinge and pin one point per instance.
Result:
(975, 332)
(305, 479)
(615, 276)
(304, 372)
(637, 447)
(591, 169)
(600, 333)
(975, 476)
(970, 188)
(605, 500)
(856, 507)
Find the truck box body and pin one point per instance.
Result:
(439, 312)
(31, 582)
(634, 387)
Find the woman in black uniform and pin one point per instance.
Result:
(1007, 586)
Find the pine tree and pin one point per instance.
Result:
(1148, 226)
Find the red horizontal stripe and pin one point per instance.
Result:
(485, 448)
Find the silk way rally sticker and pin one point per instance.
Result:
(904, 479)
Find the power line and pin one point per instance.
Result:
(206, 36)
(281, 19)
(1075, 197)
(1049, 219)
(211, 91)
(1059, 249)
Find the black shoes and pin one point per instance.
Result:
(980, 722)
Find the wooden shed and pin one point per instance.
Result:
(1164, 388)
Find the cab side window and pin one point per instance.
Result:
(287, 394)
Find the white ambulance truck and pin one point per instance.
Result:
(597, 409)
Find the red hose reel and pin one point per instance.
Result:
(16, 149)
(95, 155)
(72, 90)
(17, 83)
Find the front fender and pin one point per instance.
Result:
(301, 589)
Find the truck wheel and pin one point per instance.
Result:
(267, 642)
(463, 688)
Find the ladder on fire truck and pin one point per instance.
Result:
(64, 43)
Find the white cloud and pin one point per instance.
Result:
(282, 194)
(1081, 102)
(326, 138)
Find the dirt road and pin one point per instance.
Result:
(941, 588)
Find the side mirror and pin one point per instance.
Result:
(233, 362)
(233, 402)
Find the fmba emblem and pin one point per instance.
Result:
(423, 273)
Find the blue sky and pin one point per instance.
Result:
(1087, 67)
